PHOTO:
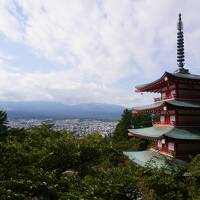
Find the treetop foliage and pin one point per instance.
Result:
(41, 163)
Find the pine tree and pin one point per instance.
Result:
(121, 131)
(3, 124)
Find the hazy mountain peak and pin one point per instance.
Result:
(43, 109)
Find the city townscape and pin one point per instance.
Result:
(77, 126)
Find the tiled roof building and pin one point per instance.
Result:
(177, 132)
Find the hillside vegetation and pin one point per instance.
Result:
(41, 163)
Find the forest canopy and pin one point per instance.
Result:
(41, 163)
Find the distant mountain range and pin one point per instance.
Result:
(54, 110)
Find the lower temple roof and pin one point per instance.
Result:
(153, 158)
(156, 132)
(176, 103)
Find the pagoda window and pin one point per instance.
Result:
(168, 93)
(173, 93)
(164, 95)
(162, 119)
(172, 119)
(171, 146)
(159, 144)
(163, 141)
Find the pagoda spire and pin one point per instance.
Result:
(180, 47)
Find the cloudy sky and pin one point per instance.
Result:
(81, 51)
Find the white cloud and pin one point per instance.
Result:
(9, 24)
(99, 42)
(53, 86)
(5, 57)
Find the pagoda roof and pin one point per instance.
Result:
(172, 76)
(156, 132)
(176, 103)
(185, 76)
(149, 107)
(186, 104)
(154, 158)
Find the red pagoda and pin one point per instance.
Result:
(177, 132)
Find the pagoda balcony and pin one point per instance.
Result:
(173, 96)
(159, 123)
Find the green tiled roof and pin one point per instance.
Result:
(189, 104)
(184, 134)
(178, 103)
(175, 75)
(142, 158)
(185, 76)
(156, 132)
(150, 106)
(146, 84)
(151, 132)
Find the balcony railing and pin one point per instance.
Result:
(172, 96)
(159, 123)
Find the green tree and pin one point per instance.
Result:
(41, 163)
(158, 184)
(120, 137)
(47, 164)
(142, 120)
(125, 123)
(193, 178)
(3, 124)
